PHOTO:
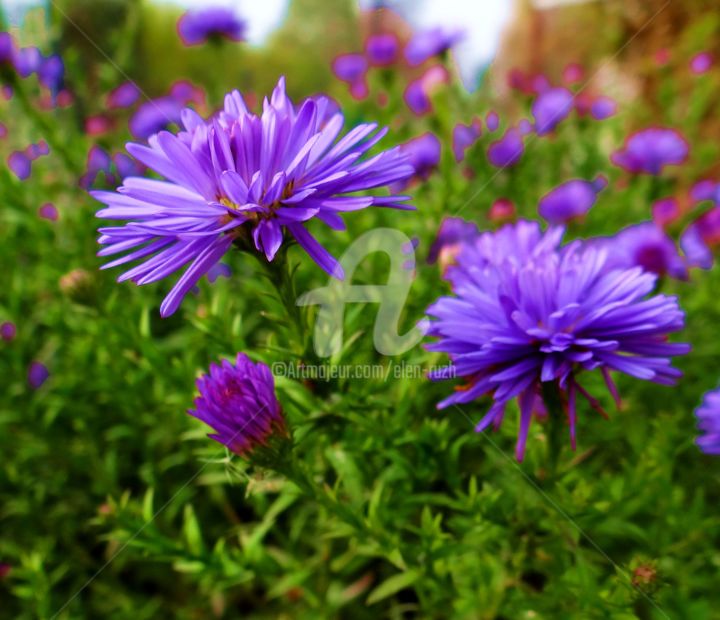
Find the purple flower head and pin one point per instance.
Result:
(7, 48)
(453, 233)
(123, 96)
(463, 137)
(708, 416)
(8, 331)
(238, 401)
(27, 61)
(508, 150)
(701, 238)
(645, 245)
(550, 108)
(381, 49)
(492, 121)
(37, 375)
(650, 150)
(98, 160)
(432, 42)
(350, 68)
(198, 26)
(701, 63)
(186, 92)
(39, 149)
(20, 164)
(602, 108)
(570, 200)
(423, 154)
(528, 314)
(51, 73)
(246, 179)
(154, 116)
(666, 211)
(48, 211)
(416, 98)
(573, 73)
(705, 190)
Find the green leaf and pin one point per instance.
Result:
(392, 585)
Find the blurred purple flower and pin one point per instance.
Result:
(492, 121)
(432, 42)
(246, 179)
(452, 234)
(650, 150)
(186, 92)
(51, 73)
(708, 423)
(127, 166)
(39, 149)
(198, 26)
(550, 108)
(98, 125)
(381, 49)
(3, 131)
(416, 98)
(220, 270)
(350, 68)
(573, 73)
(423, 154)
(570, 200)
(701, 238)
(665, 211)
(463, 137)
(528, 313)
(154, 116)
(123, 96)
(701, 63)
(645, 245)
(98, 160)
(48, 211)
(602, 108)
(508, 150)
(705, 190)
(238, 401)
(8, 331)
(20, 164)
(27, 61)
(37, 375)
(7, 48)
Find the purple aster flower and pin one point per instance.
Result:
(245, 179)
(508, 150)
(27, 61)
(492, 120)
(423, 154)
(453, 233)
(350, 68)
(570, 200)
(37, 375)
(701, 238)
(705, 190)
(198, 26)
(154, 116)
(48, 211)
(20, 164)
(550, 108)
(463, 137)
(602, 108)
(7, 48)
(51, 73)
(238, 401)
(123, 96)
(645, 245)
(650, 150)
(708, 415)
(8, 331)
(381, 49)
(701, 63)
(432, 42)
(528, 314)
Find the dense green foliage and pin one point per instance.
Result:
(114, 504)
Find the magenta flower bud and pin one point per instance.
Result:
(507, 151)
(665, 212)
(492, 121)
(48, 211)
(8, 331)
(701, 63)
(502, 210)
(238, 402)
(196, 27)
(573, 73)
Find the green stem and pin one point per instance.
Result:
(556, 420)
